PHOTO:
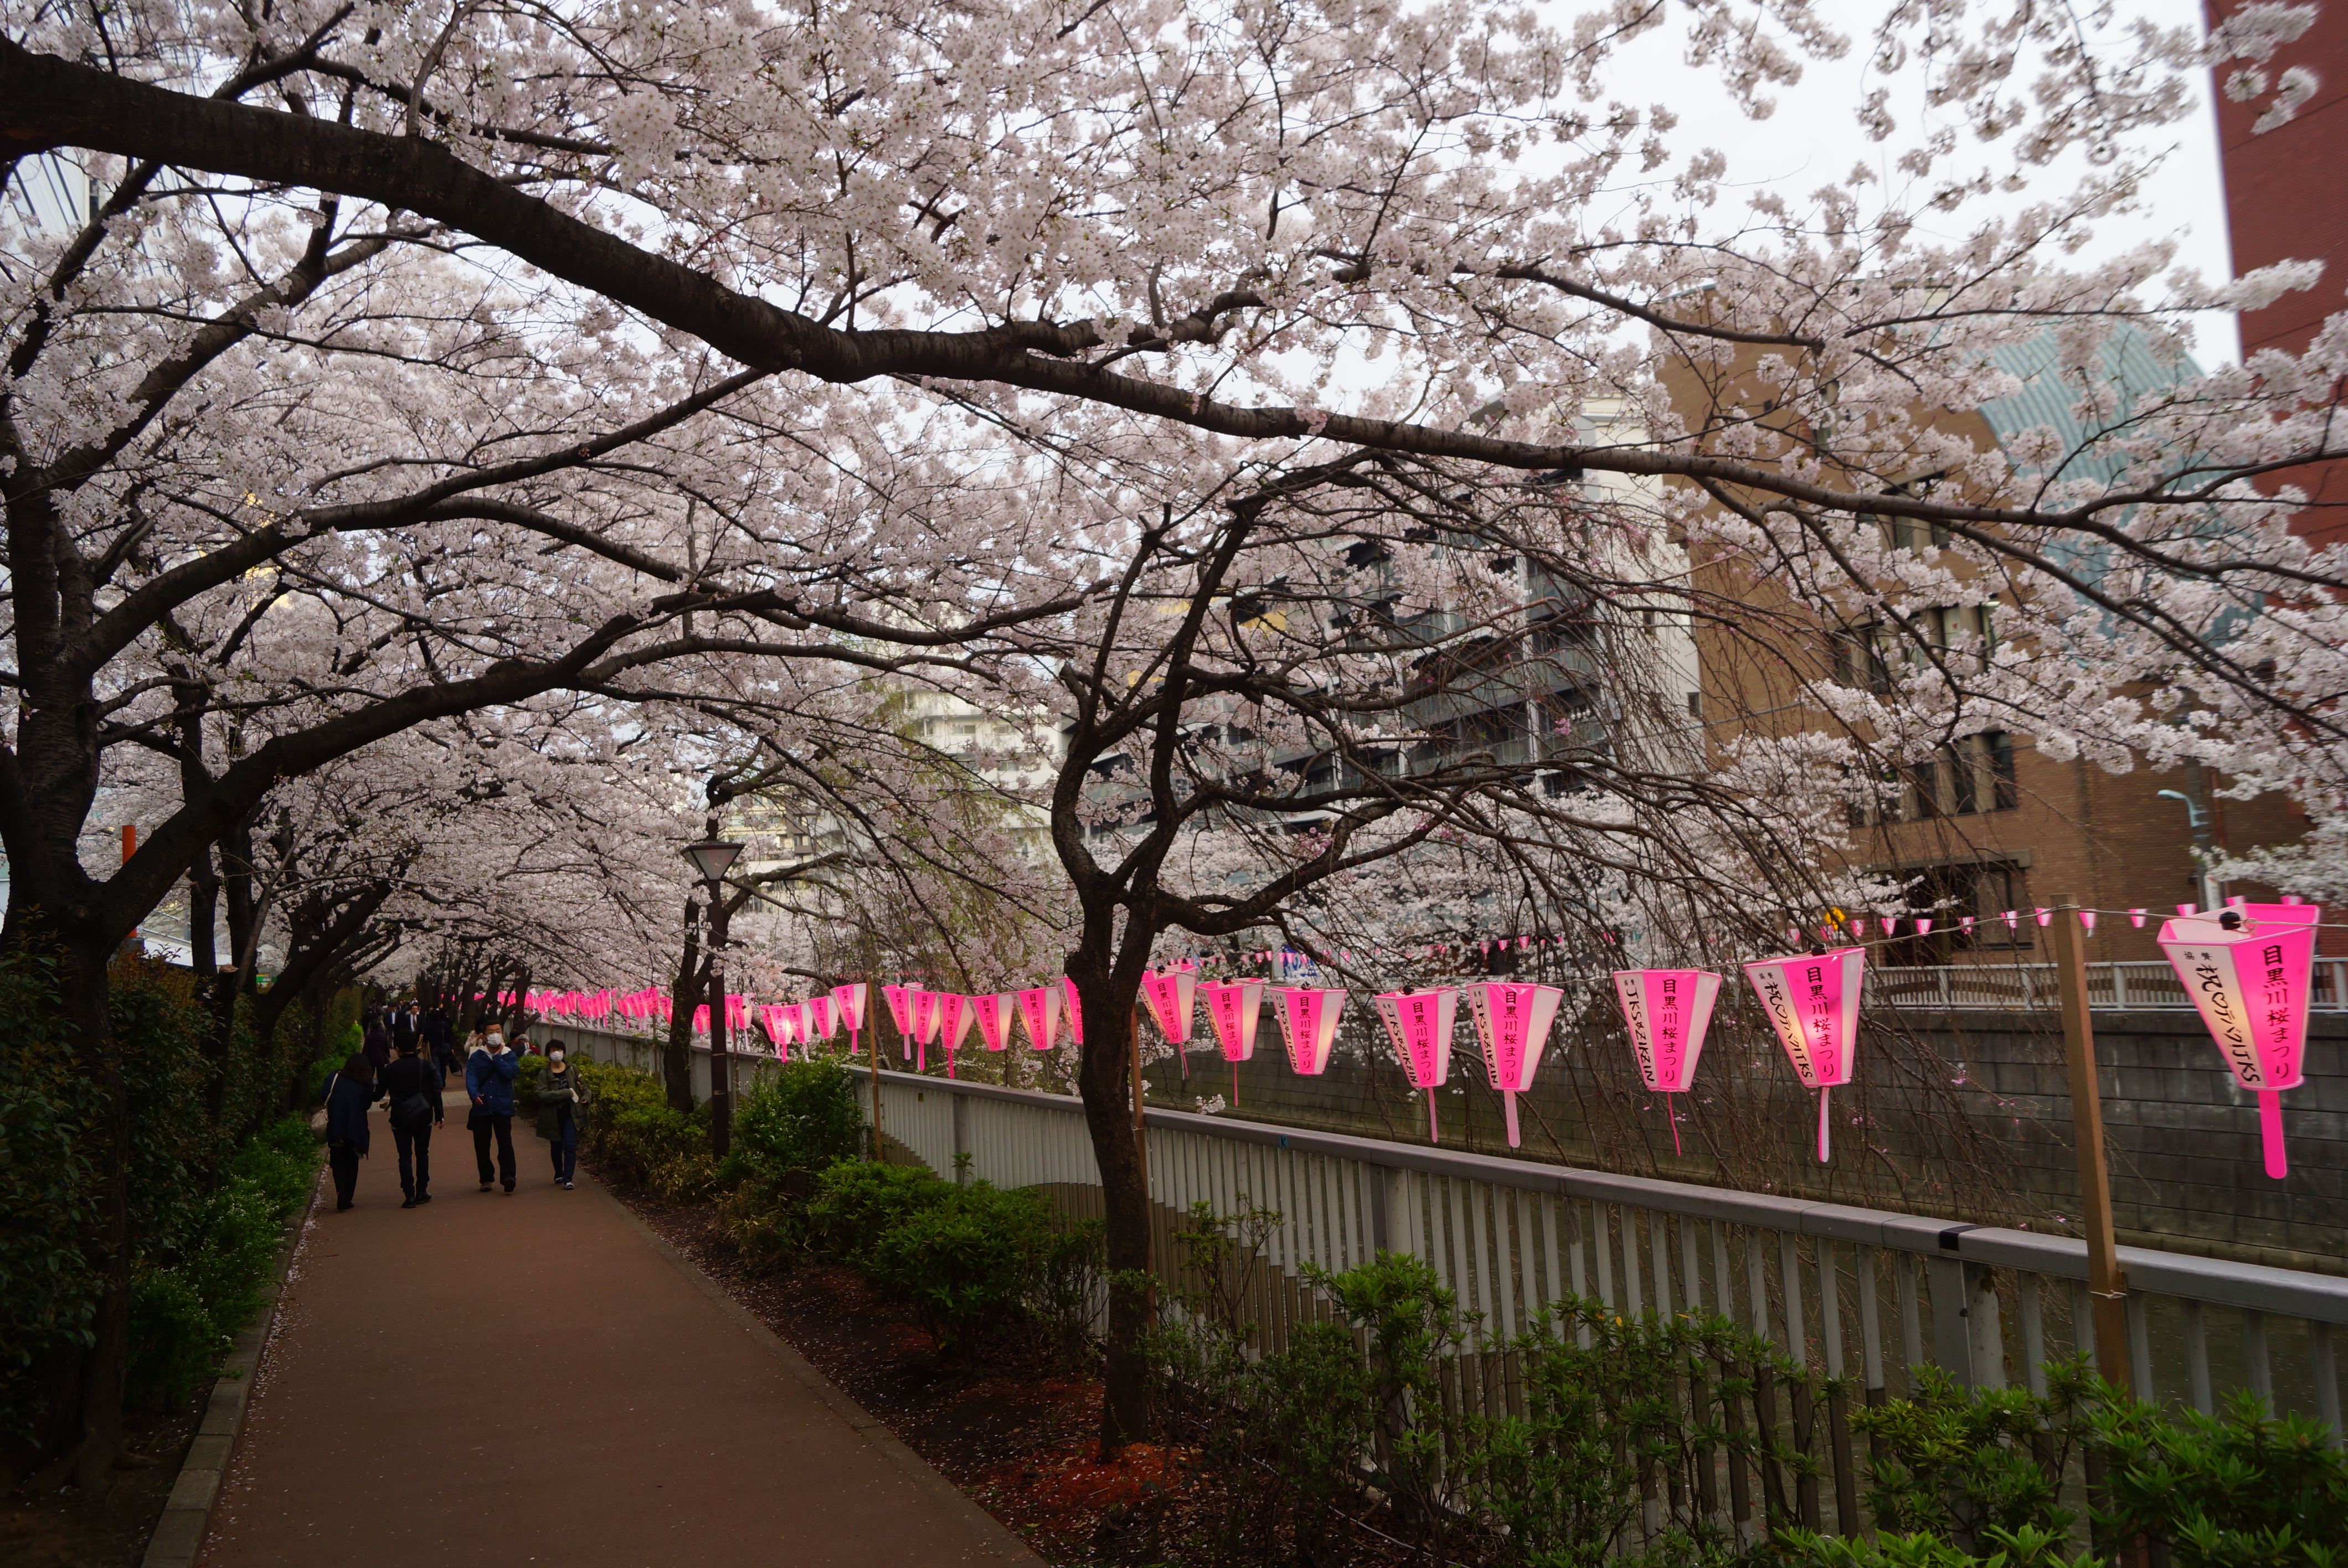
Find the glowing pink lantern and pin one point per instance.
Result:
(1512, 1024)
(1039, 1010)
(1234, 1007)
(925, 1006)
(1076, 1011)
(954, 1016)
(1173, 998)
(994, 1012)
(1812, 1002)
(1419, 1025)
(1667, 1011)
(701, 1020)
(850, 1001)
(795, 1018)
(2252, 987)
(818, 1017)
(901, 1008)
(1308, 1023)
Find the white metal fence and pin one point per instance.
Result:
(1848, 1291)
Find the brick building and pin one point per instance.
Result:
(2287, 199)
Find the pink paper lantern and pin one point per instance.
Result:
(818, 1017)
(1172, 996)
(954, 1017)
(701, 1019)
(1234, 1007)
(1812, 1003)
(1512, 1024)
(1039, 1010)
(924, 1005)
(1308, 1023)
(1076, 1011)
(1667, 1012)
(995, 1012)
(849, 998)
(1418, 1023)
(2252, 987)
(901, 1008)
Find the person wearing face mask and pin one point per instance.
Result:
(561, 1093)
(488, 1083)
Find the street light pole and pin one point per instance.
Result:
(711, 857)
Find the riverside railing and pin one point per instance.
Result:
(2151, 986)
(1848, 1292)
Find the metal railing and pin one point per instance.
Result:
(2116, 987)
(1844, 1290)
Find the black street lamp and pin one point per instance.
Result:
(711, 857)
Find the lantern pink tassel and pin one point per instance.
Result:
(1508, 1114)
(1823, 1135)
(1434, 1132)
(2271, 1132)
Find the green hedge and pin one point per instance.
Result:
(186, 1309)
(971, 1260)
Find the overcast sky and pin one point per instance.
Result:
(1812, 138)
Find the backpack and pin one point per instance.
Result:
(411, 1110)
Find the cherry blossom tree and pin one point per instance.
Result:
(1078, 347)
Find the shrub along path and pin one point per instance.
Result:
(492, 1380)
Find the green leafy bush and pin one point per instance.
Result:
(800, 1118)
(637, 1137)
(188, 1305)
(48, 1292)
(2241, 1489)
(965, 1261)
(173, 1343)
(856, 1200)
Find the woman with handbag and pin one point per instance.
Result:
(561, 1093)
(348, 1094)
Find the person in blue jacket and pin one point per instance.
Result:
(488, 1082)
(348, 1094)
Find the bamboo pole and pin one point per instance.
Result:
(2106, 1284)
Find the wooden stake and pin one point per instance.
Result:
(2106, 1286)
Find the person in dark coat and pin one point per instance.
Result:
(440, 1040)
(348, 1094)
(376, 1044)
(488, 1083)
(414, 1091)
(561, 1093)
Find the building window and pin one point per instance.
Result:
(1860, 659)
(1695, 704)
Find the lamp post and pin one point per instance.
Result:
(711, 857)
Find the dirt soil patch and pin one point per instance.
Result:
(109, 1528)
(1006, 1422)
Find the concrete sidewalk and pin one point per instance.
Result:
(496, 1381)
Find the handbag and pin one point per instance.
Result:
(412, 1112)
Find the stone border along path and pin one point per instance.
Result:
(496, 1380)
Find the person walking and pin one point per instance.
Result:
(348, 1094)
(375, 1043)
(440, 1040)
(561, 1093)
(489, 1084)
(414, 1090)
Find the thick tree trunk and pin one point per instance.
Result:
(1108, 984)
(676, 1054)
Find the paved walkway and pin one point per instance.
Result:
(501, 1381)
